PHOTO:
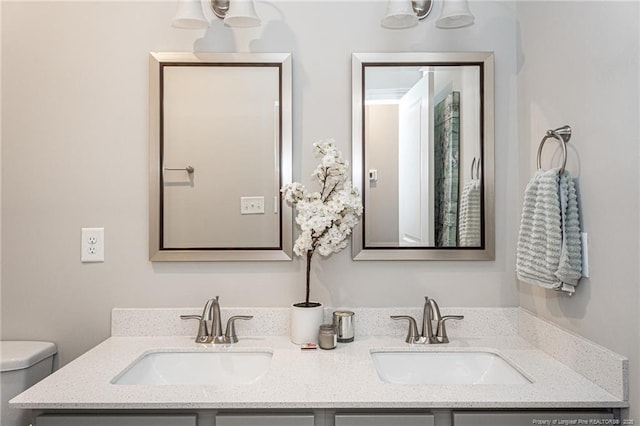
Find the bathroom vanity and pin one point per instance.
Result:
(264, 379)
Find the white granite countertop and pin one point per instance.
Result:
(341, 378)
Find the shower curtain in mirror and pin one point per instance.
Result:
(447, 152)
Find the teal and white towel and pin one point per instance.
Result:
(549, 252)
(469, 230)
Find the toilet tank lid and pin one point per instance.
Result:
(18, 354)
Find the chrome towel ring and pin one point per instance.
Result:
(562, 135)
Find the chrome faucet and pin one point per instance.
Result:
(215, 333)
(430, 313)
(210, 324)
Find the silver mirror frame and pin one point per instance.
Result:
(359, 60)
(285, 252)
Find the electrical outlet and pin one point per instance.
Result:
(251, 205)
(92, 245)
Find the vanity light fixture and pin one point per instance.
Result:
(455, 14)
(240, 13)
(405, 13)
(189, 15)
(235, 13)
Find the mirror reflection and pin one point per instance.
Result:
(423, 147)
(221, 151)
(421, 134)
(223, 122)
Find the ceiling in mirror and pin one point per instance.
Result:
(423, 155)
(220, 149)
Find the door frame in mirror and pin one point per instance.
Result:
(156, 252)
(485, 60)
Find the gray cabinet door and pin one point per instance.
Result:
(384, 420)
(528, 418)
(115, 420)
(265, 420)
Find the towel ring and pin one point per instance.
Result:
(562, 135)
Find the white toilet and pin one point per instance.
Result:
(23, 364)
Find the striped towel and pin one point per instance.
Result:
(549, 252)
(470, 215)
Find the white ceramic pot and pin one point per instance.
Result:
(305, 322)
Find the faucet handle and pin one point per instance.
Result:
(230, 335)
(203, 334)
(441, 332)
(195, 317)
(412, 333)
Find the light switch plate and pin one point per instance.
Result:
(92, 245)
(251, 205)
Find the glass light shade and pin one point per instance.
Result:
(400, 14)
(455, 14)
(189, 15)
(242, 14)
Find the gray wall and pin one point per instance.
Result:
(578, 65)
(74, 154)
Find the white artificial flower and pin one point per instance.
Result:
(326, 218)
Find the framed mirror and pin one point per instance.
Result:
(422, 153)
(220, 150)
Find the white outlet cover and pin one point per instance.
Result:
(92, 245)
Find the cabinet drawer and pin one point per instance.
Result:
(528, 418)
(115, 420)
(384, 420)
(265, 420)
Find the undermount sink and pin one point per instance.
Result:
(445, 368)
(195, 368)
